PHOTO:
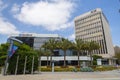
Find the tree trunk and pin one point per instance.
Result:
(91, 58)
(39, 67)
(64, 58)
(51, 58)
(47, 60)
(78, 58)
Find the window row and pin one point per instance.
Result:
(87, 18)
(89, 29)
(89, 25)
(94, 19)
(91, 37)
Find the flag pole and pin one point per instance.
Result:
(9, 54)
(32, 65)
(17, 65)
(6, 62)
(25, 64)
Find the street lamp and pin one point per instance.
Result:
(9, 50)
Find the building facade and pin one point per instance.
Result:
(35, 40)
(93, 26)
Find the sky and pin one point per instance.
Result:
(53, 16)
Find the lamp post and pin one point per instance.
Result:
(9, 50)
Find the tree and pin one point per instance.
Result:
(23, 50)
(78, 44)
(90, 46)
(117, 55)
(3, 53)
(40, 52)
(95, 57)
(50, 45)
(64, 44)
(47, 53)
(29, 54)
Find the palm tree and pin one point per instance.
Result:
(64, 44)
(47, 53)
(50, 45)
(78, 44)
(90, 46)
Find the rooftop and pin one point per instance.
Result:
(88, 13)
(34, 35)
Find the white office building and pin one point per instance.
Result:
(93, 26)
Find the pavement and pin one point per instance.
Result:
(106, 75)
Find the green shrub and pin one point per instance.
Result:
(58, 69)
(13, 59)
(0, 69)
(46, 69)
(105, 68)
(74, 70)
(87, 69)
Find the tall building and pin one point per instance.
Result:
(93, 26)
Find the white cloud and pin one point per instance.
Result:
(53, 15)
(6, 28)
(15, 8)
(71, 37)
(2, 5)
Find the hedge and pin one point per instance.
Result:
(105, 68)
(73, 69)
(59, 69)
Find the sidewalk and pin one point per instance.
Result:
(107, 75)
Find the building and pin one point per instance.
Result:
(35, 40)
(93, 26)
(117, 49)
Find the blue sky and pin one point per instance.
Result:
(53, 16)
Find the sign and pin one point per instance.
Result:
(99, 61)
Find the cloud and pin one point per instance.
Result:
(15, 8)
(2, 6)
(52, 15)
(6, 28)
(71, 37)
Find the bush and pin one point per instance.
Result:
(105, 68)
(23, 50)
(74, 70)
(13, 59)
(87, 69)
(0, 69)
(46, 69)
(64, 66)
(59, 69)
